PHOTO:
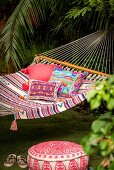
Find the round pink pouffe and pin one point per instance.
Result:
(57, 155)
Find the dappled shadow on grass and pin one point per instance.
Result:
(69, 126)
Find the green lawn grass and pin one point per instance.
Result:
(69, 126)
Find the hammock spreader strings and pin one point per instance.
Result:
(71, 51)
(94, 51)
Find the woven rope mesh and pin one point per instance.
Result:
(94, 51)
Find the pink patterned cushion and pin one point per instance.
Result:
(57, 155)
(43, 90)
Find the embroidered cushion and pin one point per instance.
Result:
(70, 82)
(39, 71)
(43, 90)
(57, 155)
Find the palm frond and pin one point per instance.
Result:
(77, 12)
(19, 27)
(96, 12)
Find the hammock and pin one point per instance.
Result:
(80, 55)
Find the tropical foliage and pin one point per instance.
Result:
(97, 13)
(56, 22)
(101, 137)
(32, 21)
(19, 29)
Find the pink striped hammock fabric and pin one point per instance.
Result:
(10, 101)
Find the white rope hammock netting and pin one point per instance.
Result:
(94, 51)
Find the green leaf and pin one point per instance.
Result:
(97, 125)
(106, 97)
(100, 168)
(110, 104)
(76, 12)
(94, 103)
(105, 152)
(112, 137)
(111, 166)
(103, 145)
(111, 79)
(109, 127)
(106, 116)
(91, 95)
(94, 139)
(88, 149)
(73, 13)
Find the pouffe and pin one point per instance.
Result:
(57, 155)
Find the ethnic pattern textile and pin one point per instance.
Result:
(14, 99)
(70, 82)
(43, 90)
(57, 155)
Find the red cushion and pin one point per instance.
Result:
(40, 71)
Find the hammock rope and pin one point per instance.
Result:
(94, 51)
